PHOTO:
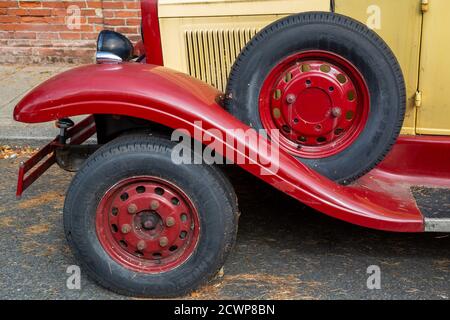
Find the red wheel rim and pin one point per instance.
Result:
(147, 224)
(318, 101)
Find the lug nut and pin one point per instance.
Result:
(290, 98)
(154, 205)
(126, 228)
(141, 245)
(163, 242)
(170, 222)
(336, 112)
(132, 208)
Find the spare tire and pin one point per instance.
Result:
(331, 86)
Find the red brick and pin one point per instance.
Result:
(113, 5)
(133, 22)
(88, 13)
(59, 12)
(70, 36)
(8, 19)
(47, 36)
(114, 22)
(125, 14)
(129, 30)
(32, 19)
(25, 35)
(89, 36)
(108, 14)
(17, 12)
(25, 43)
(30, 4)
(39, 12)
(133, 5)
(94, 4)
(9, 4)
(96, 20)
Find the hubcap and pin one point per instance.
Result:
(147, 224)
(319, 101)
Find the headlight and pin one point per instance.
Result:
(114, 43)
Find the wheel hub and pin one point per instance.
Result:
(147, 224)
(149, 220)
(318, 101)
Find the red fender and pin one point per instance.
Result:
(178, 101)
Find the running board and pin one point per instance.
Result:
(434, 203)
(437, 225)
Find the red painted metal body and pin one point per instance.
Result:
(380, 200)
(152, 33)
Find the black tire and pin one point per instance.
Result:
(349, 39)
(139, 155)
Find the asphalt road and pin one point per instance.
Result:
(284, 251)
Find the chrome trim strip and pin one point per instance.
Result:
(107, 57)
(437, 225)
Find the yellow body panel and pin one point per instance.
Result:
(434, 115)
(204, 37)
(220, 8)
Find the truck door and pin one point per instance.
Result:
(399, 23)
(433, 114)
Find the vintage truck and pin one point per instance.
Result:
(350, 95)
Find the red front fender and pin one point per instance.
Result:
(178, 101)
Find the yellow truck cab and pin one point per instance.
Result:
(204, 37)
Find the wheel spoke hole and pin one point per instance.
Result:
(115, 212)
(325, 68)
(277, 113)
(139, 254)
(277, 94)
(321, 139)
(175, 201)
(341, 78)
(123, 243)
(286, 129)
(184, 217)
(338, 131)
(157, 255)
(296, 121)
(124, 196)
(140, 189)
(305, 68)
(349, 115)
(173, 248)
(288, 77)
(302, 139)
(159, 191)
(114, 228)
(308, 82)
(351, 95)
(331, 89)
(183, 235)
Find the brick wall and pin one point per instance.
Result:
(53, 31)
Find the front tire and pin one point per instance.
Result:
(331, 86)
(142, 226)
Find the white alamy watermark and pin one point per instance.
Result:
(374, 279)
(230, 146)
(73, 18)
(73, 282)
